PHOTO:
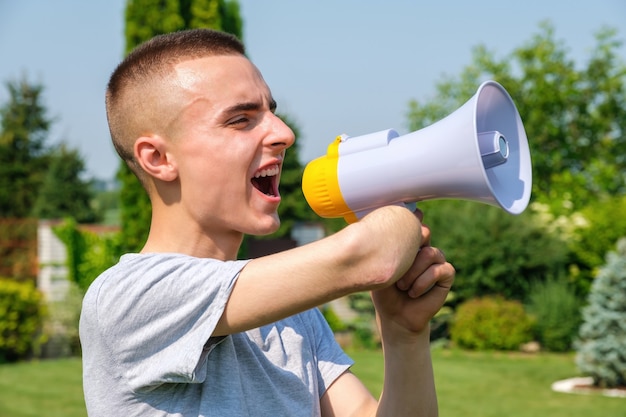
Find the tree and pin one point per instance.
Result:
(63, 192)
(23, 132)
(575, 119)
(144, 20)
(600, 350)
(37, 180)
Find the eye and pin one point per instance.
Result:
(238, 121)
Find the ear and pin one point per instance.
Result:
(152, 154)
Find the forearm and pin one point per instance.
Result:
(365, 256)
(409, 386)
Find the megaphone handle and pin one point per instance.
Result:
(411, 206)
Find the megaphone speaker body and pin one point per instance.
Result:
(480, 152)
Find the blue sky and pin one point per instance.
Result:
(335, 66)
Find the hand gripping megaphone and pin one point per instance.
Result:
(480, 153)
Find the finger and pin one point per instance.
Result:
(425, 229)
(426, 257)
(425, 236)
(437, 275)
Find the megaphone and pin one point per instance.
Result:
(479, 153)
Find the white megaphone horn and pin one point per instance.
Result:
(479, 153)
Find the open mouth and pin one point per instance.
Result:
(266, 182)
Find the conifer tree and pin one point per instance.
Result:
(601, 350)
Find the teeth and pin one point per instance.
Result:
(268, 172)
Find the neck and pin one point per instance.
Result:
(190, 239)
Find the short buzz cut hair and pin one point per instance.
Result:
(148, 65)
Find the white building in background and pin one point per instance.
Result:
(52, 277)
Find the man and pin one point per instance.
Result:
(185, 329)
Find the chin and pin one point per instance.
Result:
(266, 226)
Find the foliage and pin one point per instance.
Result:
(61, 325)
(575, 119)
(23, 132)
(88, 254)
(491, 323)
(35, 178)
(556, 312)
(135, 210)
(490, 248)
(63, 191)
(144, 20)
(602, 223)
(600, 350)
(18, 249)
(364, 327)
(441, 322)
(21, 320)
(334, 321)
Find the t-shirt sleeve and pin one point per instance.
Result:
(157, 321)
(332, 361)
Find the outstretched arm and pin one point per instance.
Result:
(373, 253)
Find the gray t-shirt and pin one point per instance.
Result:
(145, 331)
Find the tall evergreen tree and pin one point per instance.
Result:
(63, 192)
(602, 345)
(24, 129)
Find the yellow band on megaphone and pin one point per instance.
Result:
(320, 185)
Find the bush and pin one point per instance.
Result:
(334, 322)
(603, 333)
(490, 249)
(556, 312)
(61, 325)
(491, 322)
(605, 225)
(21, 320)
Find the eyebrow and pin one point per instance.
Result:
(249, 106)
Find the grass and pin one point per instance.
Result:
(488, 384)
(43, 388)
(469, 384)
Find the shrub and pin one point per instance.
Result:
(21, 320)
(491, 322)
(490, 248)
(602, 340)
(61, 325)
(556, 312)
(334, 322)
(606, 225)
(88, 254)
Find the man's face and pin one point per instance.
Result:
(228, 146)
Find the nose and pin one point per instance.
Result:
(281, 136)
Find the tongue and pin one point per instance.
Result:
(263, 184)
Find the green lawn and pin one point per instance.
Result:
(479, 384)
(469, 385)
